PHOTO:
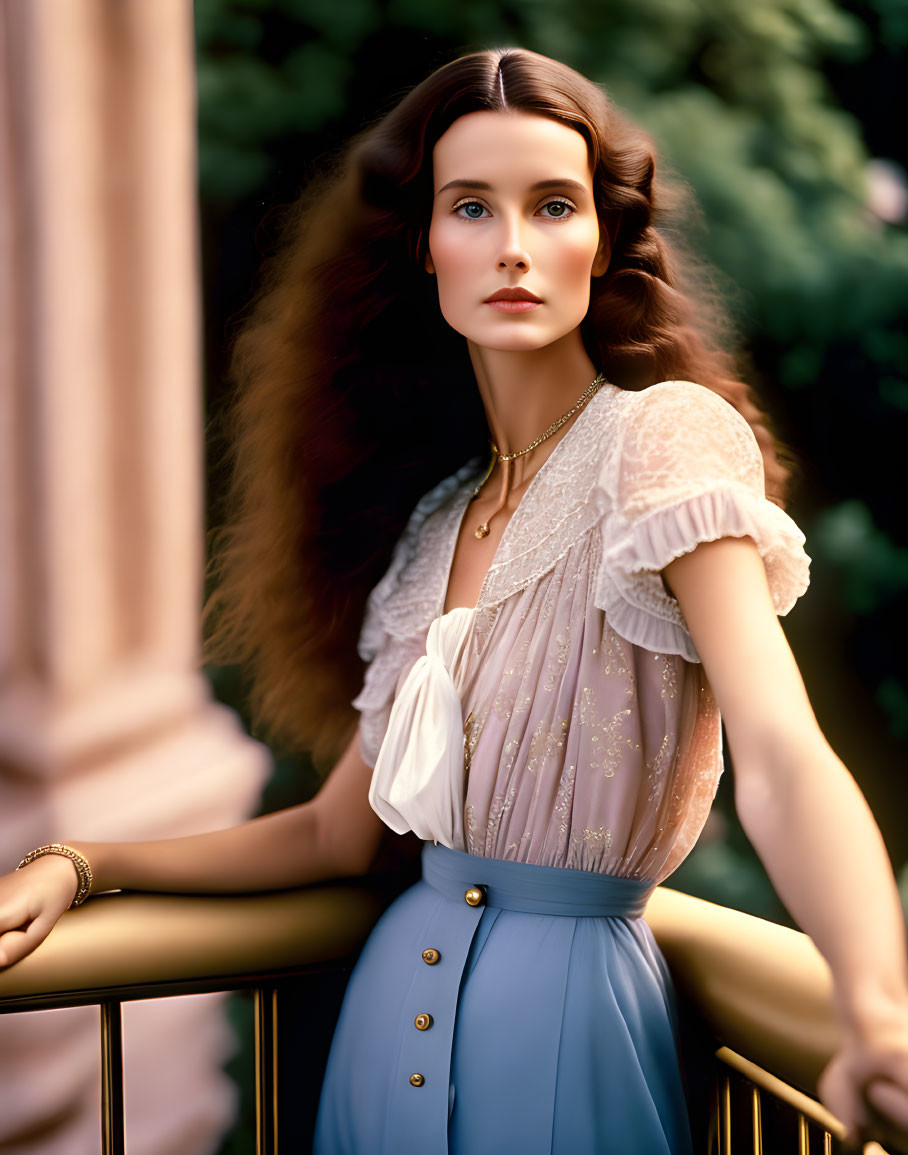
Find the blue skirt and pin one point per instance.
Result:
(501, 1007)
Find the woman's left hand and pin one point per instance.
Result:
(865, 1084)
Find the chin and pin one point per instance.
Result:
(517, 341)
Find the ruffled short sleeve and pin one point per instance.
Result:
(684, 468)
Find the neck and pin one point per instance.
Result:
(524, 391)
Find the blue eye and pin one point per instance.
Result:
(472, 210)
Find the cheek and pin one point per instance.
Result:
(575, 265)
(455, 272)
(570, 279)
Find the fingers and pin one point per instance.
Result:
(31, 901)
(15, 915)
(890, 1099)
(840, 1092)
(27, 917)
(16, 944)
(867, 1089)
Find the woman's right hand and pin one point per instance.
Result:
(31, 901)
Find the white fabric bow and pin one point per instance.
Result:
(417, 783)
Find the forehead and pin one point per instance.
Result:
(508, 148)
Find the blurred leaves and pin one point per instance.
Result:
(268, 71)
(873, 570)
(734, 93)
(873, 579)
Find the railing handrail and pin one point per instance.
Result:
(764, 990)
(137, 945)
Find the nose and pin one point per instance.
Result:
(514, 253)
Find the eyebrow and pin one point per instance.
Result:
(537, 187)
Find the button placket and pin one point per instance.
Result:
(426, 1051)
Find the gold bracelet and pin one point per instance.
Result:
(79, 861)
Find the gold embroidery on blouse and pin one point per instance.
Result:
(616, 664)
(558, 655)
(482, 627)
(561, 811)
(508, 755)
(471, 732)
(656, 768)
(547, 739)
(501, 804)
(470, 816)
(608, 744)
(669, 680)
(502, 703)
(589, 848)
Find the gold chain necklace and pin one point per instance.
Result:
(505, 459)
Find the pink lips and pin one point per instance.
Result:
(513, 301)
(513, 306)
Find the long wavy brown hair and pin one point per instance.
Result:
(353, 397)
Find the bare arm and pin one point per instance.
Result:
(334, 835)
(805, 816)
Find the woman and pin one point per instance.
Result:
(549, 649)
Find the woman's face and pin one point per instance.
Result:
(514, 237)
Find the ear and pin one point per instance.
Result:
(609, 223)
(428, 265)
(603, 255)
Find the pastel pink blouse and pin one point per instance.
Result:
(566, 720)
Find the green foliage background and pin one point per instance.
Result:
(770, 111)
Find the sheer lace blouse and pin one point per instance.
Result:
(566, 720)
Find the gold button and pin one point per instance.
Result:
(417, 1080)
(430, 955)
(422, 1022)
(474, 896)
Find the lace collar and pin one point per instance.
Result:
(553, 514)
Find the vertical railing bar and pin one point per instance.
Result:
(265, 1064)
(757, 1121)
(275, 1081)
(810, 1114)
(113, 1141)
(803, 1136)
(726, 1116)
(715, 1121)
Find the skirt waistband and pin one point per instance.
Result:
(532, 889)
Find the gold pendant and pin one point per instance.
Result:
(482, 530)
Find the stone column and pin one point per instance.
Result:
(107, 729)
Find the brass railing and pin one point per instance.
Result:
(760, 990)
(123, 947)
(740, 1127)
(764, 992)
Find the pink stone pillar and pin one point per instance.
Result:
(107, 729)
